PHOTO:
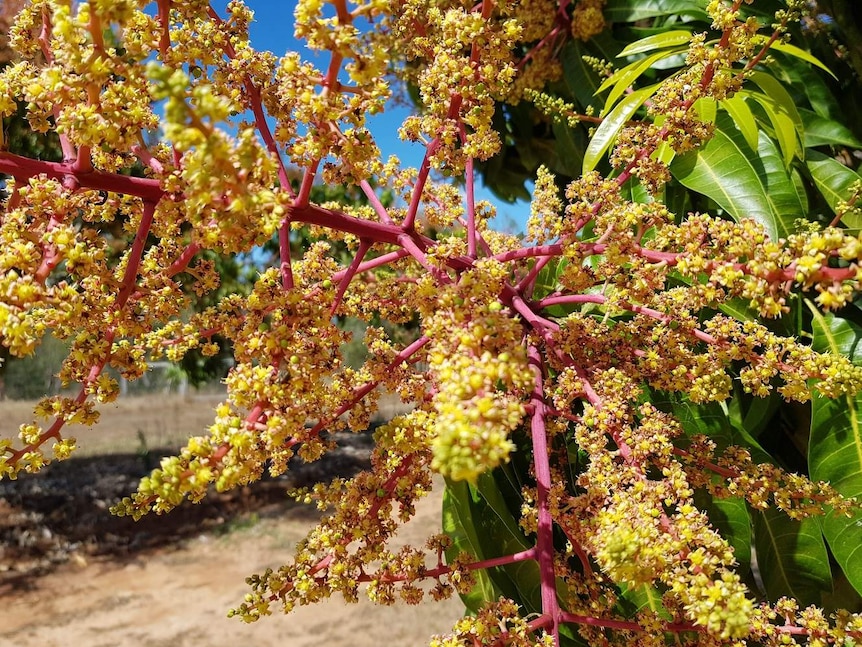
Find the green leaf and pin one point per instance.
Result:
(822, 131)
(835, 447)
(796, 52)
(612, 124)
(624, 78)
(760, 412)
(742, 116)
(745, 183)
(833, 180)
(581, 80)
(481, 516)
(643, 597)
(777, 94)
(732, 519)
(785, 131)
(569, 145)
(458, 524)
(792, 557)
(663, 40)
(634, 10)
(730, 516)
(706, 108)
(799, 184)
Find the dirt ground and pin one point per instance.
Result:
(72, 575)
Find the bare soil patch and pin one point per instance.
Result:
(72, 574)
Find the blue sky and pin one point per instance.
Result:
(272, 30)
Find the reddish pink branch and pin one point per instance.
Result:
(545, 531)
(379, 209)
(383, 259)
(25, 168)
(347, 277)
(134, 262)
(184, 259)
(285, 268)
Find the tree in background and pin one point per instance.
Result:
(601, 396)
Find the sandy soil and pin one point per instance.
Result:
(178, 597)
(176, 593)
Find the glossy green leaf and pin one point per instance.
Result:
(458, 524)
(801, 189)
(569, 146)
(796, 52)
(761, 188)
(833, 180)
(645, 597)
(821, 131)
(760, 412)
(791, 556)
(744, 119)
(581, 80)
(662, 40)
(624, 78)
(633, 10)
(822, 101)
(835, 447)
(706, 108)
(778, 95)
(612, 124)
(783, 127)
(546, 280)
(481, 517)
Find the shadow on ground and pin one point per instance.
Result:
(62, 513)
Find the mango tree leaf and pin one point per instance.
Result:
(481, 516)
(835, 447)
(730, 516)
(645, 597)
(706, 108)
(624, 78)
(662, 40)
(581, 80)
(570, 144)
(777, 94)
(458, 524)
(744, 119)
(760, 412)
(791, 556)
(546, 281)
(745, 183)
(822, 101)
(612, 124)
(822, 131)
(801, 191)
(634, 10)
(833, 180)
(796, 52)
(786, 131)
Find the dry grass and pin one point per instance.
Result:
(163, 421)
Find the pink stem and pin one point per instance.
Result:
(23, 167)
(545, 531)
(364, 246)
(135, 254)
(284, 255)
(379, 209)
(421, 179)
(374, 262)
